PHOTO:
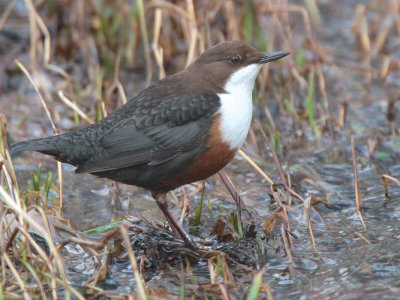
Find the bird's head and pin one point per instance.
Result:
(236, 63)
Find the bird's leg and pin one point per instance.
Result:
(161, 200)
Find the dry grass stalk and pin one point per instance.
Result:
(55, 130)
(212, 271)
(306, 218)
(224, 291)
(255, 166)
(133, 261)
(157, 49)
(100, 274)
(185, 202)
(54, 264)
(22, 67)
(195, 29)
(315, 47)
(59, 270)
(288, 250)
(173, 9)
(360, 29)
(14, 271)
(232, 26)
(275, 156)
(231, 188)
(6, 13)
(143, 29)
(270, 223)
(356, 185)
(342, 114)
(314, 11)
(390, 178)
(289, 180)
(364, 238)
(74, 107)
(267, 288)
(37, 24)
(193, 33)
(386, 178)
(266, 177)
(116, 84)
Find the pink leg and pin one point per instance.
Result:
(161, 200)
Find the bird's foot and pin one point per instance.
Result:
(175, 226)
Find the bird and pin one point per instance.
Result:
(180, 129)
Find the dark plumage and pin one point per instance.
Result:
(159, 139)
(140, 134)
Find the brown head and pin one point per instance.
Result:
(216, 65)
(210, 72)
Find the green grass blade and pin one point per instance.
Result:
(104, 228)
(255, 287)
(199, 209)
(310, 104)
(47, 184)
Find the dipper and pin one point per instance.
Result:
(179, 130)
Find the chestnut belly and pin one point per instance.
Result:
(204, 165)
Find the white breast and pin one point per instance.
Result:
(237, 105)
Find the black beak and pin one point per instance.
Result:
(271, 56)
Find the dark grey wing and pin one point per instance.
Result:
(155, 135)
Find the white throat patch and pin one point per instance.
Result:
(237, 105)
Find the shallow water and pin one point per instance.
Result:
(348, 261)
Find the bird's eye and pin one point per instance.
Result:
(235, 59)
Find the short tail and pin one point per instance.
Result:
(73, 147)
(43, 145)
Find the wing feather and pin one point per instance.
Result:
(156, 137)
